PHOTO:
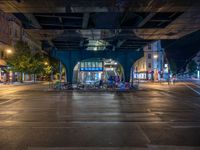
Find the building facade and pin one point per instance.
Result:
(151, 66)
(33, 43)
(5, 44)
(11, 31)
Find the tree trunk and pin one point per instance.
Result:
(21, 77)
(34, 78)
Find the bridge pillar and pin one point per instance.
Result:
(127, 70)
(70, 64)
(127, 73)
(69, 75)
(127, 60)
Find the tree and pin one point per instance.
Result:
(54, 64)
(24, 60)
(20, 59)
(36, 64)
(173, 66)
(43, 65)
(192, 67)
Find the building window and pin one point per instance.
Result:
(149, 56)
(149, 65)
(16, 34)
(149, 47)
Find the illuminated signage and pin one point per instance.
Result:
(91, 66)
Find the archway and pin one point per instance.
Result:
(91, 71)
(70, 59)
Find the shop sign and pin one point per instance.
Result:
(91, 66)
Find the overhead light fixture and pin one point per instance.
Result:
(95, 48)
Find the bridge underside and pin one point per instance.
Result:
(122, 24)
(119, 28)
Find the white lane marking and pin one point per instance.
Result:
(192, 89)
(6, 101)
(196, 85)
(142, 132)
(185, 127)
(172, 147)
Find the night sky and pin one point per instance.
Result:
(182, 49)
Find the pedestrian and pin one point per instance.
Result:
(168, 80)
(100, 83)
(173, 79)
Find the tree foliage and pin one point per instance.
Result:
(173, 66)
(192, 67)
(20, 58)
(36, 64)
(26, 61)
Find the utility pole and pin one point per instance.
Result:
(60, 68)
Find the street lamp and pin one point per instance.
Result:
(9, 51)
(155, 56)
(10, 74)
(46, 63)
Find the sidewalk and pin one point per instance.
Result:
(24, 83)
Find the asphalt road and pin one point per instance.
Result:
(159, 117)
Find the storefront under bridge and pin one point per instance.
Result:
(70, 58)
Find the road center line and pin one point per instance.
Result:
(192, 89)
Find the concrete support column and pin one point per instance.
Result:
(70, 69)
(127, 73)
(69, 75)
(127, 62)
(60, 71)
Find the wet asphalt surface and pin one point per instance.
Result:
(154, 117)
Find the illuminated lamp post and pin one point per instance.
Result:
(9, 52)
(155, 56)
